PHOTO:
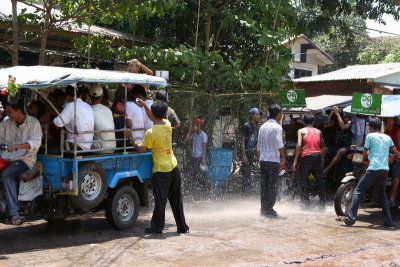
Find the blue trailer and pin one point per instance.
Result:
(77, 181)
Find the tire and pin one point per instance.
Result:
(92, 185)
(122, 209)
(343, 198)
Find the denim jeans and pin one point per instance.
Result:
(269, 178)
(9, 176)
(375, 178)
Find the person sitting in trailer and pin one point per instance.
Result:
(23, 136)
(119, 114)
(84, 119)
(141, 93)
(103, 120)
(134, 117)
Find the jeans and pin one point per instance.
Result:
(269, 178)
(246, 173)
(312, 164)
(375, 178)
(9, 176)
(167, 186)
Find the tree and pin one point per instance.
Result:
(394, 55)
(376, 50)
(343, 41)
(15, 29)
(52, 15)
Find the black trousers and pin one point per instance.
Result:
(246, 173)
(312, 164)
(269, 178)
(167, 186)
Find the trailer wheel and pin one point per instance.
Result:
(92, 185)
(122, 209)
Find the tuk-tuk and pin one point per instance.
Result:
(80, 181)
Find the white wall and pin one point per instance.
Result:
(393, 79)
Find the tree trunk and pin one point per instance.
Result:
(15, 47)
(45, 32)
(208, 30)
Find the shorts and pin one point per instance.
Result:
(394, 170)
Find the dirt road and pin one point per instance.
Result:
(223, 233)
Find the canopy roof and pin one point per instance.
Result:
(319, 103)
(39, 77)
(390, 106)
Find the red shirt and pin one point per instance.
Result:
(393, 134)
(311, 143)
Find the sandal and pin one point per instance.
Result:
(16, 220)
(343, 219)
(340, 219)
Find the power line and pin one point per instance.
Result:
(383, 31)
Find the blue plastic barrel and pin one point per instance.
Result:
(219, 166)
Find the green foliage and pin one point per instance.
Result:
(343, 41)
(243, 51)
(394, 55)
(376, 50)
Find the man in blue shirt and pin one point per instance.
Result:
(378, 145)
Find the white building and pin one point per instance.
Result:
(307, 57)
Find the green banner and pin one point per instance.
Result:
(292, 98)
(366, 103)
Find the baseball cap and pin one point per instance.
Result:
(96, 91)
(253, 111)
(198, 121)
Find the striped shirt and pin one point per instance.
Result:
(13, 134)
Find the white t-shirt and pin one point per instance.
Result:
(103, 120)
(135, 114)
(147, 122)
(84, 122)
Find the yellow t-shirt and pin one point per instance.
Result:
(159, 139)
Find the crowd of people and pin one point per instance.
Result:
(147, 124)
(320, 138)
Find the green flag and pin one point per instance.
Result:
(292, 98)
(366, 103)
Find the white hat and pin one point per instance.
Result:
(96, 91)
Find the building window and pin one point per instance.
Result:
(298, 73)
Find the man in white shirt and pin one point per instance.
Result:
(272, 155)
(84, 119)
(134, 117)
(103, 120)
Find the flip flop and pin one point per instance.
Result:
(340, 219)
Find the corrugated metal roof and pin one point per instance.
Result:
(6, 13)
(357, 72)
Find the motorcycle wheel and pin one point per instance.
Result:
(343, 198)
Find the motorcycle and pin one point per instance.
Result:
(286, 175)
(30, 190)
(344, 193)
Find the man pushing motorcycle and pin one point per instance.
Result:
(377, 146)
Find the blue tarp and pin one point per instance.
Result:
(390, 106)
(39, 77)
